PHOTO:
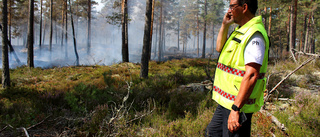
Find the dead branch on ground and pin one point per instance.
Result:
(275, 121)
(304, 63)
(308, 54)
(294, 58)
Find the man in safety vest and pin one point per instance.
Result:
(239, 78)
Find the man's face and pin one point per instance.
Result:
(235, 10)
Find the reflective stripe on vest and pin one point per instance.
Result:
(231, 97)
(235, 71)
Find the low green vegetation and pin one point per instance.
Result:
(115, 101)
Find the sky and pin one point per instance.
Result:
(99, 6)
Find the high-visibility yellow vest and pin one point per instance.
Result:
(231, 68)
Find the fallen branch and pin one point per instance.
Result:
(275, 121)
(309, 54)
(6, 128)
(25, 131)
(284, 99)
(304, 63)
(294, 58)
(38, 123)
(145, 114)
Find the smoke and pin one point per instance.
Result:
(105, 43)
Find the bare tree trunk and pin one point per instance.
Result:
(288, 30)
(40, 35)
(56, 32)
(30, 34)
(89, 28)
(160, 33)
(146, 41)
(74, 37)
(198, 36)
(151, 31)
(303, 33)
(62, 26)
(312, 45)
(51, 29)
(306, 42)
(213, 33)
(270, 20)
(156, 41)
(204, 31)
(124, 22)
(293, 24)
(184, 46)
(9, 18)
(66, 29)
(178, 34)
(5, 58)
(280, 42)
(163, 34)
(44, 32)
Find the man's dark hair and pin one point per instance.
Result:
(252, 5)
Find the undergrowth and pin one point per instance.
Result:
(115, 101)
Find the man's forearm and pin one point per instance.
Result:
(248, 82)
(222, 37)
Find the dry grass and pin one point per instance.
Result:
(82, 101)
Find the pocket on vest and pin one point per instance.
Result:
(229, 53)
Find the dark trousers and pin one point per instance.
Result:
(218, 127)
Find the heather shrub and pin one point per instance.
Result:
(261, 125)
(84, 98)
(303, 119)
(184, 100)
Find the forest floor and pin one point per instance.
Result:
(173, 101)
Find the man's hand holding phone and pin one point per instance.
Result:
(228, 19)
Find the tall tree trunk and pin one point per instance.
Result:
(204, 30)
(151, 31)
(293, 24)
(307, 32)
(62, 26)
(312, 45)
(56, 32)
(66, 29)
(265, 19)
(213, 33)
(30, 34)
(11, 3)
(198, 36)
(74, 37)
(44, 31)
(304, 32)
(124, 22)
(51, 29)
(160, 33)
(270, 20)
(163, 35)
(280, 42)
(306, 42)
(5, 57)
(178, 34)
(288, 30)
(156, 41)
(146, 41)
(184, 46)
(89, 28)
(77, 21)
(40, 35)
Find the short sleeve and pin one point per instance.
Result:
(255, 49)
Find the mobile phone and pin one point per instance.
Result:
(242, 118)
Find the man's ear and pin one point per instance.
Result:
(245, 8)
